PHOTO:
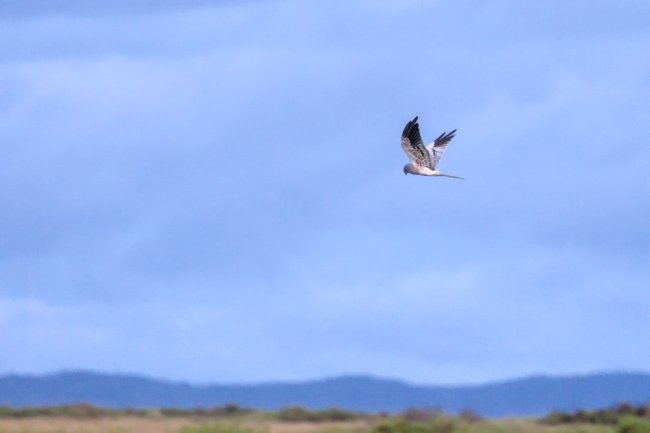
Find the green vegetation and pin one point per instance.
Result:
(437, 425)
(84, 418)
(229, 410)
(298, 413)
(87, 411)
(633, 424)
(610, 416)
(79, 411)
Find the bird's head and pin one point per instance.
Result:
(408, 169)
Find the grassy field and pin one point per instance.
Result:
(83, 418)
(126, 424)
(131, 424)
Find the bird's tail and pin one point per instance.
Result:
(449, 175)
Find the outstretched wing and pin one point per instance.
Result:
(413, 145)
(438, 147)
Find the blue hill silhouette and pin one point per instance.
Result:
(536, 395)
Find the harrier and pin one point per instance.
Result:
(424, 159)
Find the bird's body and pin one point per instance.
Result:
(425, 171)
(424, 159)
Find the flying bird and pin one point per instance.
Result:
(424, 159)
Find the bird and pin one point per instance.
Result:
(424, 159)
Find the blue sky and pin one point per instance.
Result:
(214, 192)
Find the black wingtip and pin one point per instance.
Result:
(409, 125)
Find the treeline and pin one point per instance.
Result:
(288, 414)
(610, 416)
(87, 411)
(298, 413)
(416, 416)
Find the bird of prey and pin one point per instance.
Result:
(424, 159)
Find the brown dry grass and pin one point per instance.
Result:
(126, 424)
(311, 427)
(99, 425)
(155, 424)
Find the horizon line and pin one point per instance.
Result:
(326, 378)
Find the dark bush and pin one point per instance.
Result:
(440, 424)
(633, 424)
(421, 414)
(174, 412)
(230, 410)
(610, 416)
(469, 416)
(297, 413)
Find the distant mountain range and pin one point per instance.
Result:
(529, 396)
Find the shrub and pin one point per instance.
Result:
(6, 412)
(231, 409)
(609, 416)
(83, 411)
(632, 424)
(174, 412)
(469, 416)
(440, 424)
(421, 414)
(443, 425)
(297, 413)
(400, 426)
(556, 417)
